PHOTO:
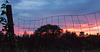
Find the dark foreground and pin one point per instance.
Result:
(41, 44)
(45, 50)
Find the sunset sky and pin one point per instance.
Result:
(39, 9)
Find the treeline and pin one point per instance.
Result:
(65, 42)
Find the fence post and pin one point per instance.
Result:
(10, 25)
(10, 20)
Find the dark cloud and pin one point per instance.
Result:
(36, 9)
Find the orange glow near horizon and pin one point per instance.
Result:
(93, 30)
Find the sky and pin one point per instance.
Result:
(38, 9)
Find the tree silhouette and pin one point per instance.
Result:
(48, 31)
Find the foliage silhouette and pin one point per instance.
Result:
(48, 31)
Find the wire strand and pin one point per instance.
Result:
(65, 22)
(88, 23)
(73, 23)
(62, 15)
(96, 21)
(79, 22)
